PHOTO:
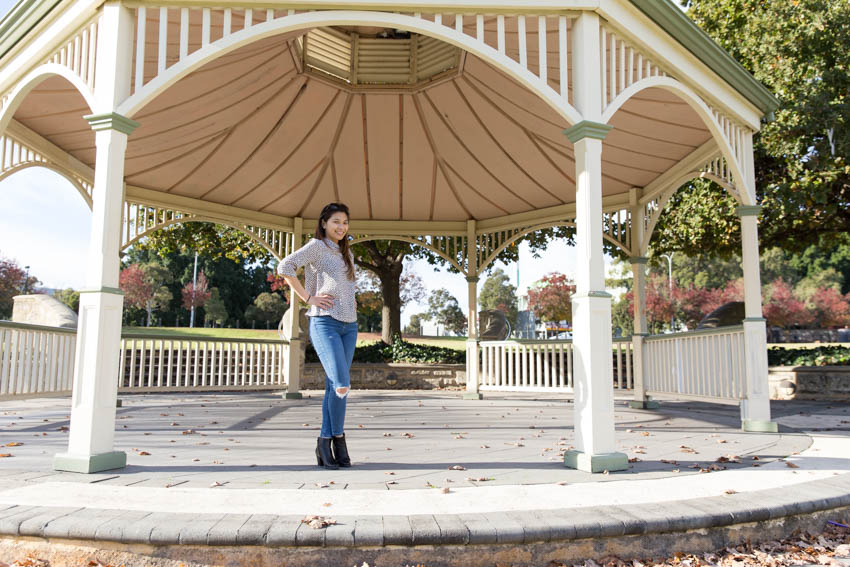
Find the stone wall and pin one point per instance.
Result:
(41, 309)
(391, 376)
(808, 336)
(809, 382)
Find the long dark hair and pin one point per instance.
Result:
(326, 214)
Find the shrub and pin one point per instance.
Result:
(400, 351)
(818, 356)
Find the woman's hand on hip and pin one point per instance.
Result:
(323, 301)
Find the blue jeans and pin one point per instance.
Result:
(334, 342)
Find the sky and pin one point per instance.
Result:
(45, 224)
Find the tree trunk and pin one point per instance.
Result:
(391, 311)
(387, 264)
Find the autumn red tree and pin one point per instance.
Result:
(138, 291)
(195, 295)
(829, 308)
(550, 298)
(13, 281)
(782, 309)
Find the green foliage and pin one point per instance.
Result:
(215, 309)
(270, 308)
(415, 325)
(818, 356)
(444, 309)
(498, 293)
(400, 351)
(69, 297)
(799, 50)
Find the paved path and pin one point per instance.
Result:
(236, 468)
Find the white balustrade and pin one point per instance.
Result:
(697, 365)
(542, 365)
(151, 363)
(36, 360)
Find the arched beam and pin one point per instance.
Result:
(705, 113)
(411, 240)
(308, 20)
(36, 77)
(493, 255)
(196, 218)
(668, 194)
(47, 165)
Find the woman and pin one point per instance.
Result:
(329, 279)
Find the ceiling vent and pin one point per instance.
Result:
(389, 59)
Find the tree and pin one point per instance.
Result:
(830, 308)
(551, 298)
(215, 309)
(498, 293)
(270, 307)
(784, 310)
(253, 314)
(196, 294)
(444, 310)
(799, 50)
(70, 298)
(13, 281)
(415, 326)
(144, 287)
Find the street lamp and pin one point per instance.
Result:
(26, 280)
(670, 280)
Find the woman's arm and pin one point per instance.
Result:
(290, 265)
(322, 301)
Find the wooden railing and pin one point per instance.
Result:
(168, 363)
(36, 360)
(542, 365)
(697, 364)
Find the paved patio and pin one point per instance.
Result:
(429, 468)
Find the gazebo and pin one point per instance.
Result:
(459, 127)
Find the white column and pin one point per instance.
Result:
(472, 348)
(641, 400)
(755, 407)
(90, 443)
(294, 363)
(593, 355)
(95, 390)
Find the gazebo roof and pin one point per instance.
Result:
(276, 128)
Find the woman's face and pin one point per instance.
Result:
(336, 227)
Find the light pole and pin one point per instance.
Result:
(26, 280)
(670, 280)
(194, 283)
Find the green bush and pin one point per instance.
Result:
(818, 356)
(400, 351)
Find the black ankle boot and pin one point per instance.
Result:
(324, 457)
(341, 451)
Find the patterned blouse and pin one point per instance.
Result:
(325, 273)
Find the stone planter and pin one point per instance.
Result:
(809, 382)
(391, 376)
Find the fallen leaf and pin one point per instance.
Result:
(457, 468)
(215, 483)
(144, 453)
(791, 465)
(485, 446)
(445, 490)
(730, 491)
(14, 444)
(4, 455)
(326, 504)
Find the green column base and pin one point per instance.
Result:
(473, 396)
(610, 462)
(645, 404)
(759, 426)
(118, 403)
(292, 396)
(90, 463)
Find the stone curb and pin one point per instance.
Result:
(498, 528)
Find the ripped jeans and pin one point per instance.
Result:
(334, 342)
